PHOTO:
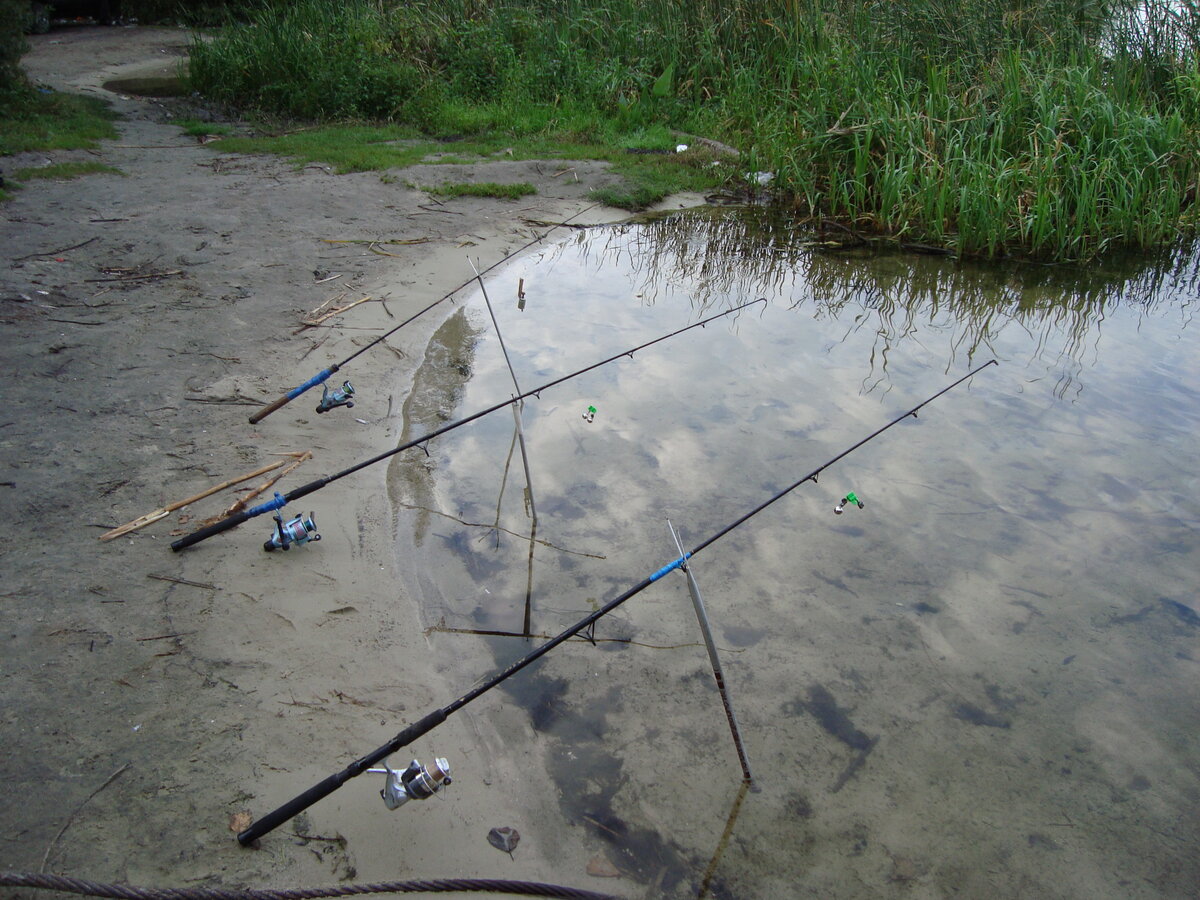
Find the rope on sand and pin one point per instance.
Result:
(434, 886)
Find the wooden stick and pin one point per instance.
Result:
(333, 312)
(164, 511)
(241, 503)
(321, 308)
(71, 817)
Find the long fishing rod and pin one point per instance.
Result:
(324, 374)
(281, 500)
(324, 788)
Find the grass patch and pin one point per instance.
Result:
(66, 171)
(40, 120)
(346, 148)
(483, 189)
(651, 178)
(196, 128)
(364, 148)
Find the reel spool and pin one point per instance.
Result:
(298, 531)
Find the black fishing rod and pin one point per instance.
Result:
(280, 500)
(324, 788)
(324, 374)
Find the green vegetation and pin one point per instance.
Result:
(34, 120)
(196, 128)
(66, 170)
(483, 189)
(1054, 128)
(347, 148)
(365, 148)
(14, 16)
(1058, 129)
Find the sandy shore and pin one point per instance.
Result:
(154, 700)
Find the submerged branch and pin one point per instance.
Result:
(491, 527)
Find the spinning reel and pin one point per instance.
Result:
(417, 782)
(335, 398)
(298, 531)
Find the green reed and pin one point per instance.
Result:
(1054, 128)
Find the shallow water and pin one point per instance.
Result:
(981, 683)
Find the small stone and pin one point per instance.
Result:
(904, 869)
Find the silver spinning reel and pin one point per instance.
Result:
(298, 531)
(417, 782)
(335, 398)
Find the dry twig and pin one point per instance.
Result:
(71, 818)
(312, 320)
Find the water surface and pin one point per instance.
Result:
(982, 683)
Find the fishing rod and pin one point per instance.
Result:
(281, 500)
(340, 397)
(324, 788)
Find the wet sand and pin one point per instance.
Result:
(154, 701)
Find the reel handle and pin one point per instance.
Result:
(297, 805)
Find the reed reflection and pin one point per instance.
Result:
(708, 255)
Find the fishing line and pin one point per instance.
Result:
(324, 374)
(418, 729)
(281, 500)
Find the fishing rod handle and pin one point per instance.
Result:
(293, 394)
(279, 502)
(216, 528)
(297, 805)
(267, 410)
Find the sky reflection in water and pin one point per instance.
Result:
(982, 681)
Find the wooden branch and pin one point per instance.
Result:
(164, 511)
(312, 322)
(238, 506)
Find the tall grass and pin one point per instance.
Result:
(1053, 128)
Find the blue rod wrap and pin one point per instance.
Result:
(278, 503)
(311, 383)
(670, 567)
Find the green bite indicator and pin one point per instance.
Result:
(846, 501)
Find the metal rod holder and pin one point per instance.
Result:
(715, 659)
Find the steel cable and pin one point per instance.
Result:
(431, 886)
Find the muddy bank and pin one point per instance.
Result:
(153, 699)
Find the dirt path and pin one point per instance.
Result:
(150, 698)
